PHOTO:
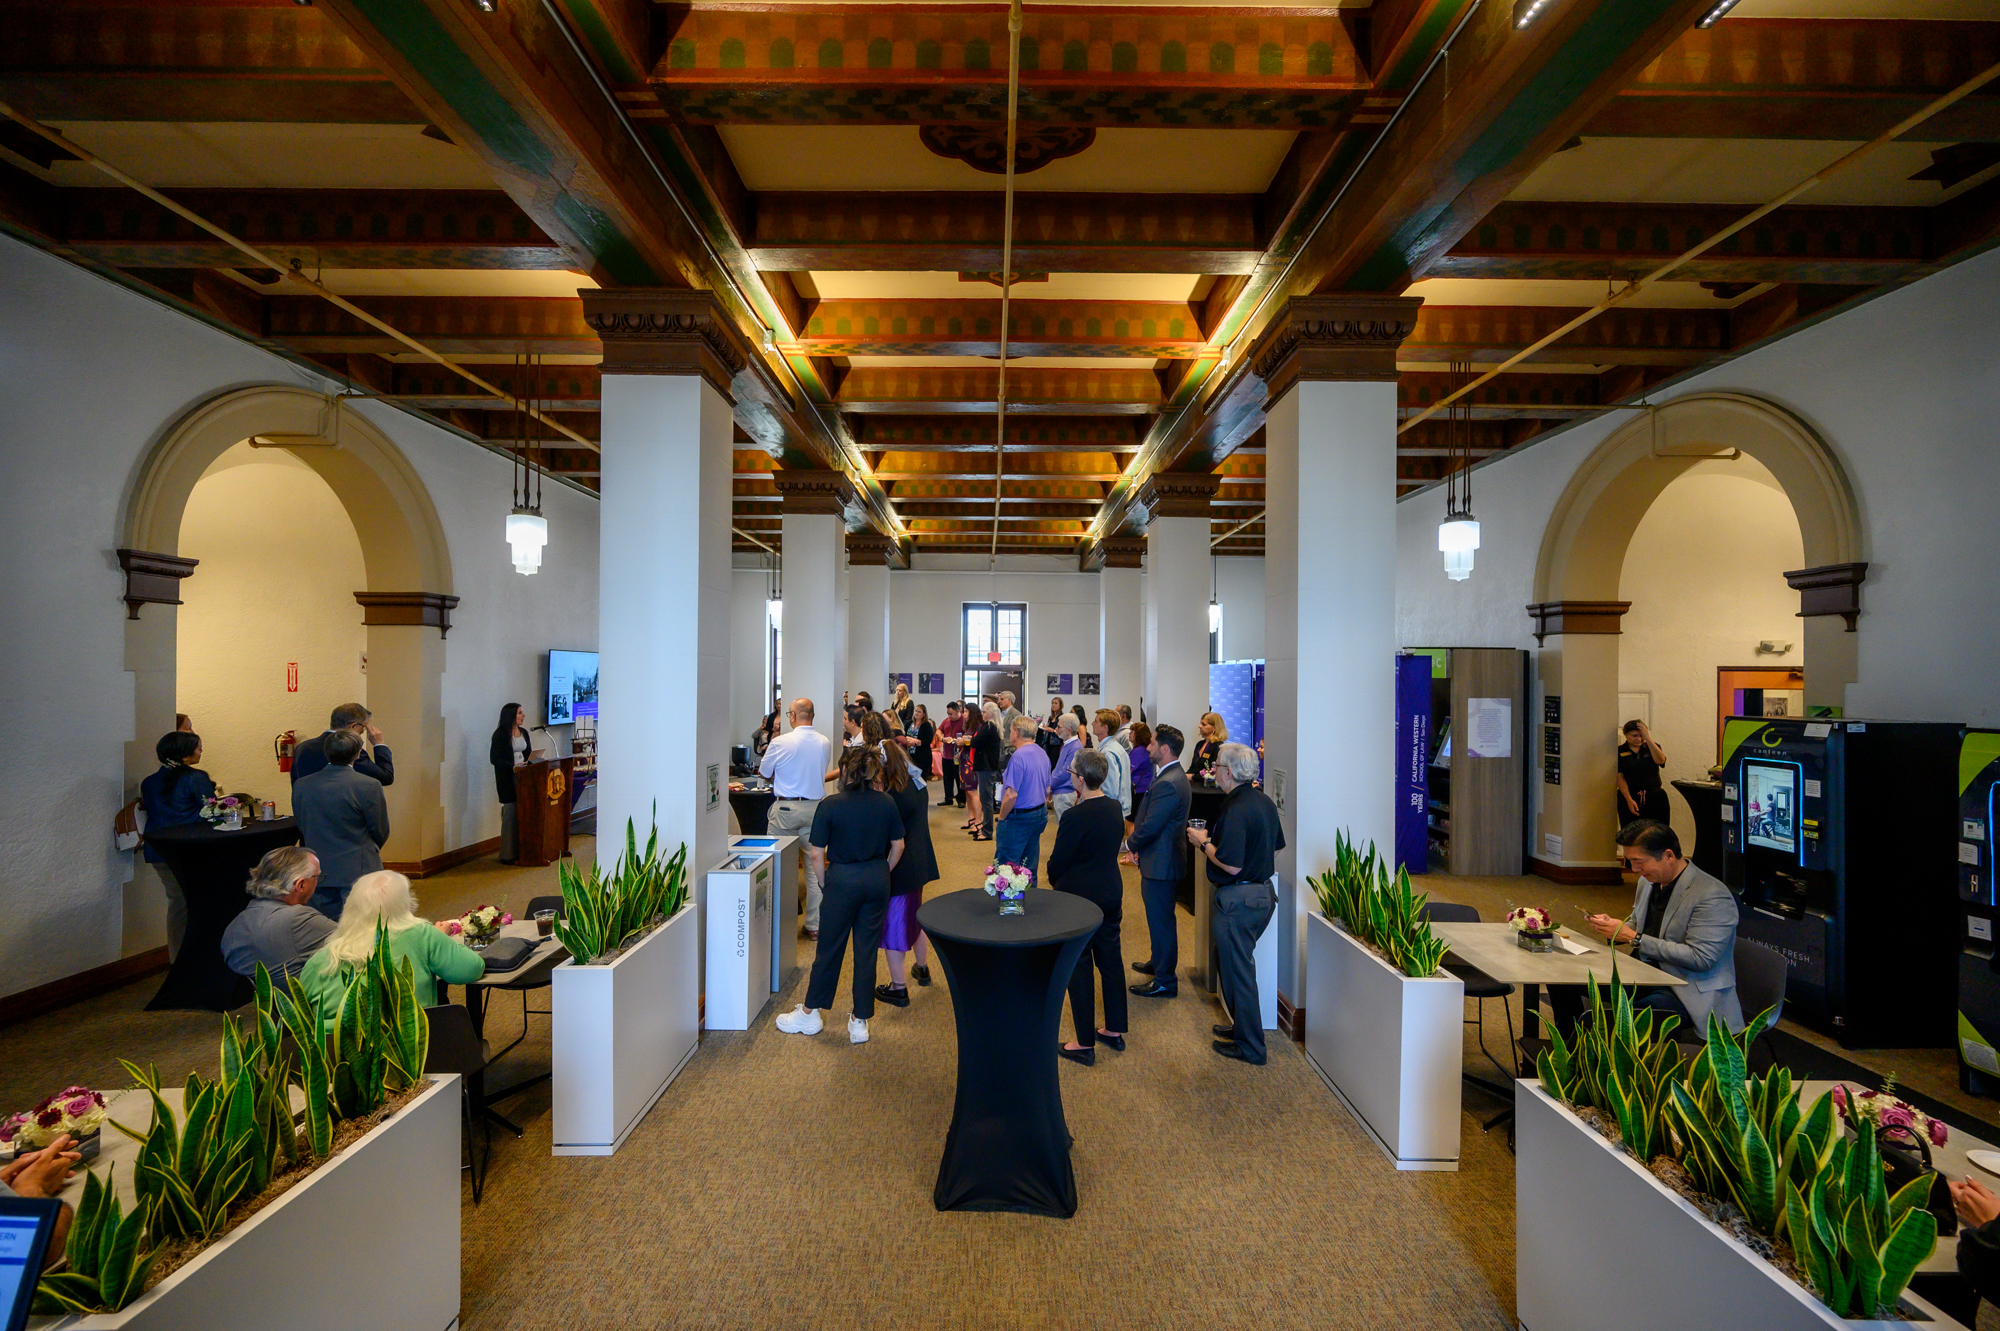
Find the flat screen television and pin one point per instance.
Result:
(572, 686)
(1771, 806)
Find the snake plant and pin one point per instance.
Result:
(1859, 1245)
(604, 911)
(1622, 1062)
(1387, 914)
(108, 1257)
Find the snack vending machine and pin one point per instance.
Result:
(1978, 970)
(1828, 826)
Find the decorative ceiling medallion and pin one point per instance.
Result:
(993, 278)
(984, 147)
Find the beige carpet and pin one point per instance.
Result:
(785, 1181)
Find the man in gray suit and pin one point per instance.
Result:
(1683, 920)
(343, 820)
(1158, 842)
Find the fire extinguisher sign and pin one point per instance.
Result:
(291, 676)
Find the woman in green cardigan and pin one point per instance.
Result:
(385, 896)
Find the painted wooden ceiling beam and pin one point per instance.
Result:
(954, 434)
(930, 392)
(1152, 329)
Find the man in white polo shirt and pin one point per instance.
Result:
(797, 763)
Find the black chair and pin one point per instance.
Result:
(456, 1048)
(1479, 987)
(1761, 972)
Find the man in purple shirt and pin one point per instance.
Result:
(1024, 799)
(1062, 785)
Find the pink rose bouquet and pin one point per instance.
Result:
(75, 1110)
(1531, 919)
(1892, 1116)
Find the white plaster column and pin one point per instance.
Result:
(1328, 364)
(664, 581)
(1120, 626)
(868, 555)
(815, 639)
(1177, 591)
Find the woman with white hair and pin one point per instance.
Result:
(384, 897)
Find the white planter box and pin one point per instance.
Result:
(369, 1240)
(1584, 1209)
(1391, 1047)
(621, 1032)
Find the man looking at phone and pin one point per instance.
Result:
(1683, 921)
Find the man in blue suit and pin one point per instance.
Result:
(1160, 846)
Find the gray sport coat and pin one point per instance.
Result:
(1697, 942)
(343, 819)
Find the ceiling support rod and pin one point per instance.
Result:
(1006, 269)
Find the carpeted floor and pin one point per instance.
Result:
(785, 1181)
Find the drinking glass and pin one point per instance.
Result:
(545, 923)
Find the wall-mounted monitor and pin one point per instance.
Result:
(572, 686)
(1771, 805)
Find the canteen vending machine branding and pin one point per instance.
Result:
(1978, 968)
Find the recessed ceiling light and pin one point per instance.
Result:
(483, 6)
(1714, 15)
(1526, 11)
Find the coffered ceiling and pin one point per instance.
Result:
(828, 169)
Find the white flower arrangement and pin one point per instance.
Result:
(1009, 881)
(481, 925)
(1531, 919)
(75, 1110)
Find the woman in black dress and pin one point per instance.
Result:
(508, 747)
(1640, 758)
(987, 764)
(917, 870)
(922, 736)
(855, 843)
(1214, 734)
(1085, 862)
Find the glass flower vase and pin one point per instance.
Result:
(1013, 905)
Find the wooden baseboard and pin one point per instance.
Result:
(1576, 875)
(450, 859)
(45, 998)
(1291, 1020)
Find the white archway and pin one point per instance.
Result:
(1583, 553)
(403, 550)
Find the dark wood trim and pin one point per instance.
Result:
(816, 491)
(1577, 617)
(1576, 875)
(1830, 589)
(450, 859)
(668, 332)
(152, 579)
(424, 609)
(46, 998)
(1178, 494)
(1291, 1020)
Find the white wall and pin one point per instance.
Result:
(280, 564)
(1705, 576)
(1062, 622)
(1902, 390)
(1239, 585)
(92, 377)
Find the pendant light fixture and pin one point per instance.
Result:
(1458, 534)
(527, 529)
(1214, 606)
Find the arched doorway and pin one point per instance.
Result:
(1583, 555)
(404, 555)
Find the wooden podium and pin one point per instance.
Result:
(542, 798)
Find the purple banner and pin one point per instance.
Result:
(1413, 744)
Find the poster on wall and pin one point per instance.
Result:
(1413, 749)
(929, 683)
(1489, 724)
(906, 679)
(1062, 684)
(1089, 686)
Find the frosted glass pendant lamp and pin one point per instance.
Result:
(1458, 537)
(527, 532)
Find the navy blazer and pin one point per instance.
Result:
(310, 757)
(1159, 829)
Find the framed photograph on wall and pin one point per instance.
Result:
(1089, 686)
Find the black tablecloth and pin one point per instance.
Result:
(1206, 804)
(213, 869)
(1008, 1148)
(753, 810)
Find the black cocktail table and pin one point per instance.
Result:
(213, 869)
(1008, 1148)
(753, 810)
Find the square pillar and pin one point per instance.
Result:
(1120, 647)
(664, 581)
(815, 638)
(868, 555)
(1578, 664)
(1177, 592)
(1328, 368)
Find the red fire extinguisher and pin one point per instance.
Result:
(286, 745)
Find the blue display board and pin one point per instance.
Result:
(1413, 747)
(1236, 692)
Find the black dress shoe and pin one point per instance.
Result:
(1231, 1049)
(1154, 989)
(1084, 1056)
(923, 974)
(1115, 1041)
(1226, 1032)
(890, 994)
(1143, 967)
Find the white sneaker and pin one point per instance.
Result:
(857, 1030)
(802, 1021)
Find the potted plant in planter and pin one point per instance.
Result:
(1384, 1025)
(1755, 1212)
(627, 1003)
(228, 1186)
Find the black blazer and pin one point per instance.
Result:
(1084, 860)
(1202, 759)
(501, 754)
(919, 867)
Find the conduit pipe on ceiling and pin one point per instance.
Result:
(1218, 540)
(1006, 272)
(290, 271)
(1900, 128)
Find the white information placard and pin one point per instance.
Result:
(1489, 723)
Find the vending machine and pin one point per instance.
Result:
(1978, 971)
(1828, 827)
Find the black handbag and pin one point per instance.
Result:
(1907, 1156)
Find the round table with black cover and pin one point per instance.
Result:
(753, 810)
(213, 869)
(1008, 1148)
